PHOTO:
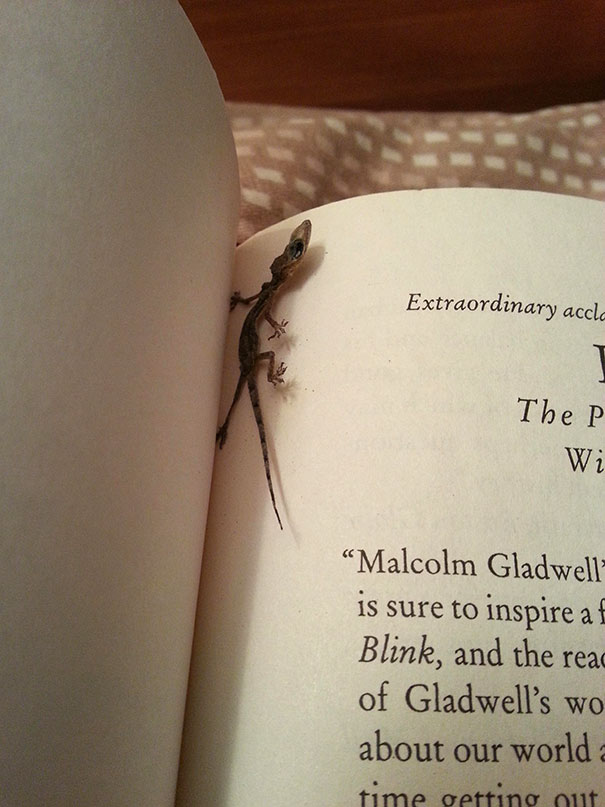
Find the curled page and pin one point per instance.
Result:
(119, 200)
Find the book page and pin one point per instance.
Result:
(119, 198)
(428, 627)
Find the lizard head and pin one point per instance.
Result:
(294, 251)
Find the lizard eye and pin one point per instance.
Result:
(297, 249)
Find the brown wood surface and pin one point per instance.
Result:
(509, 55)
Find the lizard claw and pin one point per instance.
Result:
(279, 328)
(221, 436)
(236, 297)
(276, 377)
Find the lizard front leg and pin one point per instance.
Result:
(274, 374)
(236, 298)
(278, 327)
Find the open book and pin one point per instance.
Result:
(427, 629)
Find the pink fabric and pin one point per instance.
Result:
(293, 159)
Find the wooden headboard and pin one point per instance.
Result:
(510, 55)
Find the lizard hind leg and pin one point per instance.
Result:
(254, 399)
(274, 374)
(221, 434)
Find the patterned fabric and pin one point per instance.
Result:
(293, 159)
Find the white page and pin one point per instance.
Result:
(118, 191)
(401, 428)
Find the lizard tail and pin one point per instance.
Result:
(253, 390)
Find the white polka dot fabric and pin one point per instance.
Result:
(292, 159)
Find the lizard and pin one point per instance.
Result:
(282, 268)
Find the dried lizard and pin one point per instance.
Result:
(281, 269)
